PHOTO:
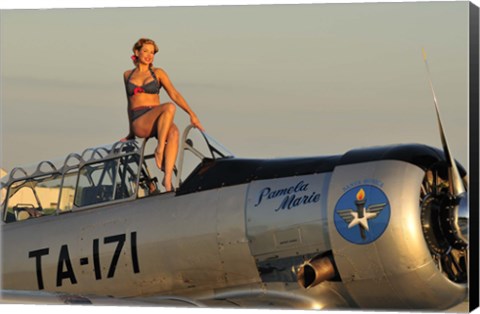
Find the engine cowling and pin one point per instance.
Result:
(385, 230)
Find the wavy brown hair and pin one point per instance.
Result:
(139, 44)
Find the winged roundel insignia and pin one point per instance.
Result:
(353, 212)
(350, 216)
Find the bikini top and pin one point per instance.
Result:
(152, 87)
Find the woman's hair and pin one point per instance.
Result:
(139, 44)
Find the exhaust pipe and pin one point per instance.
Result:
(315, 271)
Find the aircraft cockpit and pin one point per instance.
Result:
(99, 176)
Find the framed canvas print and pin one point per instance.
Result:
(286, 156)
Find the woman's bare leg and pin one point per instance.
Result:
(171, 151)
(158, 120)
(164, 123)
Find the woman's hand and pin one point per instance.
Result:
(196, 123)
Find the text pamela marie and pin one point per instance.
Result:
(291, 197)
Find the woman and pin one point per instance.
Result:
(147, 116)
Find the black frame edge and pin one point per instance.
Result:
(474, 156)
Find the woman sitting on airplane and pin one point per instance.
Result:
(147, 116)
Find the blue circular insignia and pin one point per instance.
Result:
(362, 214)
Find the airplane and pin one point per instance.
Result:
(373, 228)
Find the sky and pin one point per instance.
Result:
(267, 81)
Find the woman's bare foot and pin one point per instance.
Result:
(167, 185)
(152, 188)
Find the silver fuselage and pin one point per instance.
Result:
(221, 242)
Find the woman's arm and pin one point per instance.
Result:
(177, 97)
(130, 135)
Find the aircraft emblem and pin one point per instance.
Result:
(369, 217)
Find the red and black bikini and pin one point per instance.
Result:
(152, 87)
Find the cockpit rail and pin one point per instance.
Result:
(99, 175)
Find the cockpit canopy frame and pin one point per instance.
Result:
(97, 176)
(49, 177)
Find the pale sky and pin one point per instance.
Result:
(266, 81)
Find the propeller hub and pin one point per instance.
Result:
(460, 219)
(445, 226)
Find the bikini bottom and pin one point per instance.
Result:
(140, 111)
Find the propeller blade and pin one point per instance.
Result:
(455, 180)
